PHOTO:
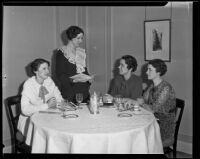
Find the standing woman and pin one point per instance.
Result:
(71, 60)
(39, 93)
(160, 99)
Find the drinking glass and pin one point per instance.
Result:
(79, 99)
(62, 107)
(118, 101)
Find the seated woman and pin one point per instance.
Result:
(160, 99)
(127, 84)
(39, 93)
(70, 61)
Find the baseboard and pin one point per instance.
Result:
(7, 149)
(185, 147)
(8, 145)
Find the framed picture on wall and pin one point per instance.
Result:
(157, 39)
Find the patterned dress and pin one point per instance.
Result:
(162, 101)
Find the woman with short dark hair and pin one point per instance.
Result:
(70, 61)
(36, 64)
(39, 93)
(127, 84)
(160, 99)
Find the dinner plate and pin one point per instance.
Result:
(68, 116)
(124, 115)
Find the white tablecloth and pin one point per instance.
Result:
(102, 133)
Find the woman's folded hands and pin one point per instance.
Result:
(52, 102)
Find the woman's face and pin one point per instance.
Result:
(123, 70)
(43, 71)
(77, 40)
(151, 72)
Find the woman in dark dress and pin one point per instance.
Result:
(71, 60)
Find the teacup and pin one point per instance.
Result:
(136, 107)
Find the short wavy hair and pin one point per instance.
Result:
(131, 62)
(159, 65)
(36, 64)
(73, 31)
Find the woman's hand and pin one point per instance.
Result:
(83, 78)
(92, 79)
(52, 102)
(140, 101)
(147, 107)
(129, 103)
(75, 81)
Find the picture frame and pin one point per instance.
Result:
(157, 39)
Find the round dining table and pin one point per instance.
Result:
(109, 132)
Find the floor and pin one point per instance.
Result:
(180, 155)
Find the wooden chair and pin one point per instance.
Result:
(2, 146)
(180, 104)
(12, 103)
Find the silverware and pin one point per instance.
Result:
(73, 104)
(46, 112)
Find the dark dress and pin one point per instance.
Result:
(162, 101)
(64, 70)
(131, 88)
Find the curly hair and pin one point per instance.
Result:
(131, 62)
(159, 65)
(36, 64)
(73, 31)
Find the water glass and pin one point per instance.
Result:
(79, 99)
(62, 107)
(118, 101)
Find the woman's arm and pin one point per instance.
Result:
(63, 66)
(160, 103)
(87, 73)
(56, 92)
(64, 70)
(27, 107)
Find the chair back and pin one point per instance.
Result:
(13, 107)
(180, 104)
(13, 103)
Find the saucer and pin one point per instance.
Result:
(124, 115)
(70, 116)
